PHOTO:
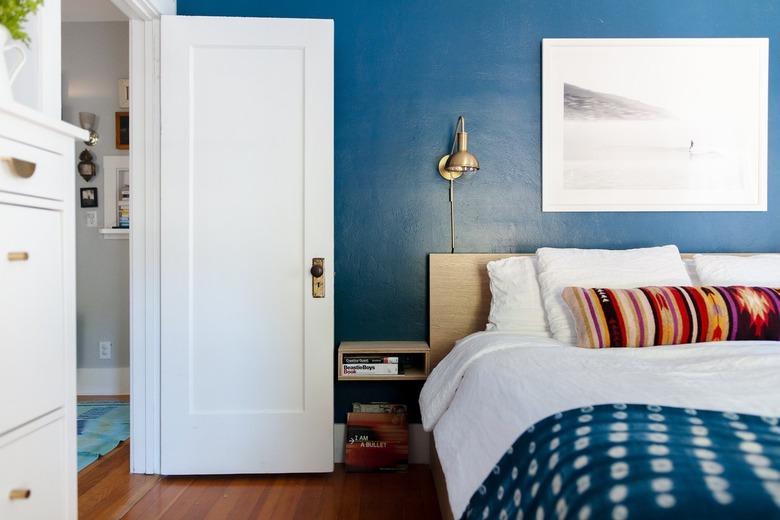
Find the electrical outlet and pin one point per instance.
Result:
(104, 350)
(90, 218)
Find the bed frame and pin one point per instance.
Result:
(459, 301)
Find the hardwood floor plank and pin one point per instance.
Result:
(290, 495)
(239, 500)
(350, 497)
(210, 491)
(90, 398)
(159, 499)
(309, 504)
(330, 499)
(108, 491)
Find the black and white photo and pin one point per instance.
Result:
(654, 125)
(89, 197)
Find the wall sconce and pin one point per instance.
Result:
(87, 122)
(452, 166)
(87, 168)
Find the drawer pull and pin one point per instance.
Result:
(20, 167)
(18, 256)
(19, 494)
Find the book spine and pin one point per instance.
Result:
(383, 369)
(370, 359)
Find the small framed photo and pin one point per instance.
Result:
(124, 93)
(122, 129)
(89, 197)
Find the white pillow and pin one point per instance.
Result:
(626, 269)
(690, 268)
(516, 304)
(757, 270)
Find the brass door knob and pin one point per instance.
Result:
(19, 494)
(316, 271)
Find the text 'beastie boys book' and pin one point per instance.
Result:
(377, 441)
(377, 369)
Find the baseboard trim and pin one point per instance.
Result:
(103, 381)
(419, 444)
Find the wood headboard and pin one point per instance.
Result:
(459, 296)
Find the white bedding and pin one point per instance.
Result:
(494, 385)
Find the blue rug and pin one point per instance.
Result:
(101, 426)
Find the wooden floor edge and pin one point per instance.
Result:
(440, 483)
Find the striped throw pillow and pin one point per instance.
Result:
(673, 315)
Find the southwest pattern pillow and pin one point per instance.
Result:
(673, 315)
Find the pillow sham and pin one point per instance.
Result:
(516, 303)
(760, 270)
(560, 268)
(673, 315)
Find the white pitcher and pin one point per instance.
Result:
(6, 78)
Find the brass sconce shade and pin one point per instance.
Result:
(87, 122)
(461, 160)
(452, 166)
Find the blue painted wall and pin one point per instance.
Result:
(405, 69)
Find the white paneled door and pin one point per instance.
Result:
(247, 203)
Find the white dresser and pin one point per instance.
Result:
(37, 316)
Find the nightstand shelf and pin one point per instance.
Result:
(415, 353)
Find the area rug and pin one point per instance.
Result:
(101, 426)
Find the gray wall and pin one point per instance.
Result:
(94, 56)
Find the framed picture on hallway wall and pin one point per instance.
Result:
(654, 124)
(122, 130)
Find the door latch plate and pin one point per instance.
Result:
(318, 282)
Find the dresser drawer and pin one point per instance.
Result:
(47, 181)
(32, 338)
(34, 463)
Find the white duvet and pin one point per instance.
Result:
(494, 385)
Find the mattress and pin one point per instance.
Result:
(494, 385)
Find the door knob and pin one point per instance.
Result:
(317, 281)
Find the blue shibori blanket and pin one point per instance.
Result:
(637, 461)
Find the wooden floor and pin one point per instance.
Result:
(108, 491)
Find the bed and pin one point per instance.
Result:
(493, 386)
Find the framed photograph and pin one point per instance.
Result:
(124, 93)
(89, 197)
(654, 124)
(122, 130)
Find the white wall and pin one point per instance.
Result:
(94, 56)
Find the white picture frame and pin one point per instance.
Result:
(116, 172)
(123, 93)
(654, 124)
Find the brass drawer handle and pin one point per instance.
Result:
(18, 256)
(21, 167)
(19, 494)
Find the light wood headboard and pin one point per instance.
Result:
(459, 296)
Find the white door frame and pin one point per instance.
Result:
(145, 230)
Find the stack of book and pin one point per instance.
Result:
(371, 365)
(377, 437)
(123, 207)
